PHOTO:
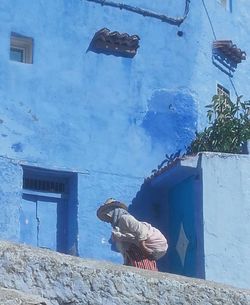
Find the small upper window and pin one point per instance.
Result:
(21, 48)
(222, 91)
(227, 4)
(223, 2)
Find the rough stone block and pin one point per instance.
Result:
(14, 297)
(64, 279)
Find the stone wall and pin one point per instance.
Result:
(14, 297)
(63, 279)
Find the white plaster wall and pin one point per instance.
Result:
(226, 213)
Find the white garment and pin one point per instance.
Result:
(130, 230)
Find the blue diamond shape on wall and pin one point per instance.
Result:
(182, 244)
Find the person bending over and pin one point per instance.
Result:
(139, 243)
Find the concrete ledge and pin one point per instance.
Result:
(14, 297)
(64, 279)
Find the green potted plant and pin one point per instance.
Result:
(228, 130)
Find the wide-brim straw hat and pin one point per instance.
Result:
(108, 206)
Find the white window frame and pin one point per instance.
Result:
(226, 4)
(223, 91)
(22, 43)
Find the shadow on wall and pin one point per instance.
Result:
(173, 204)
(171, 119)
(147, 206)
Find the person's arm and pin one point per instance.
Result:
(118, 236)
(144, 248)
(122, 237)
(130, 226)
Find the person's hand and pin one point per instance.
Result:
(113, 238)
(115, 235)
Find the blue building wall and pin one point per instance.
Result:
(182, 210)
(201, 203)
(226, 213)
(10, 198)
(108, 119)
(172, 201)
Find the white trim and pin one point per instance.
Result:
(42, 194)
(223, 90)
(25, 44)
(226, 4)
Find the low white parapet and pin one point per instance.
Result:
(63, 279)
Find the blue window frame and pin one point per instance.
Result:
(48, 214)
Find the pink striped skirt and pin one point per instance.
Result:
(136, 258)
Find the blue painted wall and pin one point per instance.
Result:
(226, 209)
(175, 209)
(10, 198)
(111, 120)
(201, 204)
(182, 205)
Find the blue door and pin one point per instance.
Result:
(47, 217)
(39, 221)
(28, 222)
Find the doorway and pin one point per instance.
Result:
(48, 213)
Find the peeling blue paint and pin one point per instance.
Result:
(17, 147)
(171, 119)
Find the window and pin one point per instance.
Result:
(227, 4)
(223, 3)
(43, 185)
(223, 91)
(21, 48)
